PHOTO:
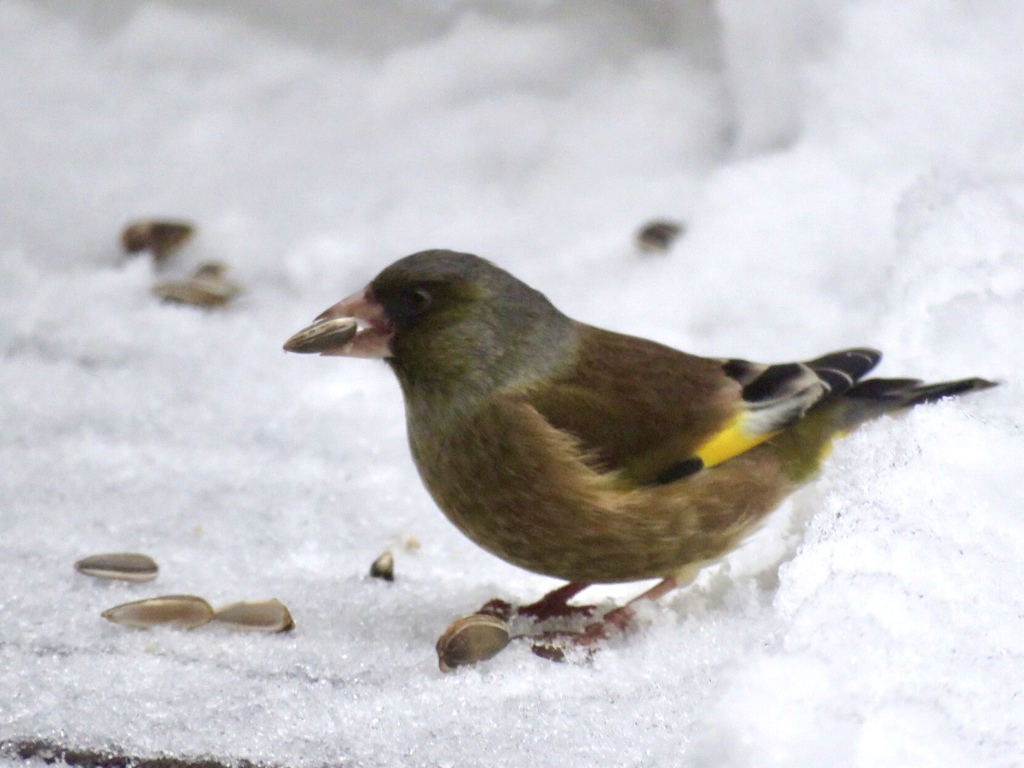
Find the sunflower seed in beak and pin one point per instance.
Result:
(323, 335)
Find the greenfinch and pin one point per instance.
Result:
(588, 455)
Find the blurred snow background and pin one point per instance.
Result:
(849, 172)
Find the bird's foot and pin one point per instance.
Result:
(554, 605)
(557, 645)
(500, 609)
(482, 635)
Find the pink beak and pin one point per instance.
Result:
(334, 332)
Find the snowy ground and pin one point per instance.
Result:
(850, 172)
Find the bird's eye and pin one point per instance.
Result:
(417, 301)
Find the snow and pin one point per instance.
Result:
(849, 173)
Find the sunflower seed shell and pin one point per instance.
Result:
(384, 567)
(210, 270)
(658, 235)
(161, 238)
(326, 334)
(183, 611)
(197, 291)
(127, 566)
(473, 638)
(256, 616)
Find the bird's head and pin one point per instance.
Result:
(445, 320)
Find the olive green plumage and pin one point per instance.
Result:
(590, 455)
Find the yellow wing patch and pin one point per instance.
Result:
(730, 441)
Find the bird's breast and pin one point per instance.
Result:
(524, 491)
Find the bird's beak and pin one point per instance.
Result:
(354, 327)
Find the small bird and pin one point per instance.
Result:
(588, 455)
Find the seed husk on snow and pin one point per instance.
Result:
(210, 270)
(208, 287)
(127, 566)
(657, 235)
(160, 238)
(256, 616)
(384, 567)
(472, 638)
(326, 334)
(183, 611)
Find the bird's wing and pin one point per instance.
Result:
(776, 396)
(655, 415)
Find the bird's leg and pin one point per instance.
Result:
(553, 605)
(615, 620)
(620, 618)
(556, 603)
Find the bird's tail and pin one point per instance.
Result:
(871, 398)
(802, 447)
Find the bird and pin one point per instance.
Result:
(587, 455)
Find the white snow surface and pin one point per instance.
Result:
(850, 173)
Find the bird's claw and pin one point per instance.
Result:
(554, 605)
(549, 651)
(543, 610)
(560, 645)
(498, 608)
(539, 611)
